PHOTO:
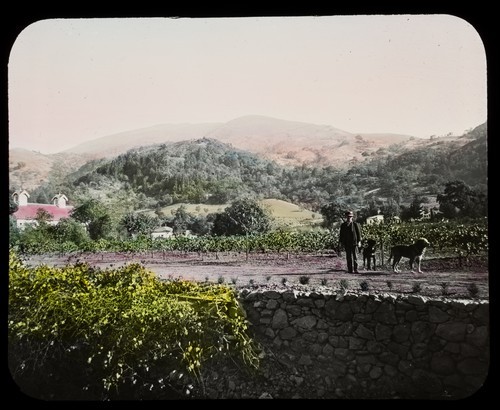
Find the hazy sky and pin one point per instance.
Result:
(74, 80)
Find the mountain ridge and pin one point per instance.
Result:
(256, 133)
(286, 142)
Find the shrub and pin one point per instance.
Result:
(344, 284)
(444, 288)
(304, 280)
(77, 332)
(364, 286)
(473, 290)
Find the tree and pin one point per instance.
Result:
(243, 217)
(390, 210)
(43, 217)
(458, 199)
(476, 205)
(448, 210)
(373, 208)
(42, 197)
(414, 211)
(13, 206)
(138, 224)
(69, 230)
(182, 220)
(14, 232)
(94, 216)
(201, 225)
(332, 213)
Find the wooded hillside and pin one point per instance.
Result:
(211, 172)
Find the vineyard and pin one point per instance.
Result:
(449, 239)
(456, 259)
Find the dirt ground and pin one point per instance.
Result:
(441, 276)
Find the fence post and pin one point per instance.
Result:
(381, 252)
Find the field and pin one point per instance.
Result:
(442, 277)
(284, 214)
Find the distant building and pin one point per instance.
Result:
(162, 232)
(375, 219)
(27, 212)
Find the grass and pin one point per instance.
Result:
(285, 214)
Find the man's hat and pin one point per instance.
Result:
(349, 213)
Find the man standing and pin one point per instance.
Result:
(350, 240)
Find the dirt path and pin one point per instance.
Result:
(441, 277)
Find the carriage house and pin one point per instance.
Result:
(27, 212)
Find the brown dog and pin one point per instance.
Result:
(412, 252)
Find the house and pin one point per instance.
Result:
(27, 212)
(162, 232)
(375, 219)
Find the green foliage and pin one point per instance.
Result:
(87, 333)
(187, 171)
(332, 213)
(473, 290)
(458, 199)
(95, 216)
(138, 224)
(344, 285)
(243, 217)
(304, 280)
(208, 171)
(390, 209)
(42, 216)
(69, 230)
(364, 285)
(13, 207)
(182, 220)
(459, 239)
(14, 232)
(35, 240)
(416, 287)
(414, 210)
(454, 237)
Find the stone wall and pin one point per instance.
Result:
(328, 345)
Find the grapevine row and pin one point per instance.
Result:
(445, 238)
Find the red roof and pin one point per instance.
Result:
(29, 211)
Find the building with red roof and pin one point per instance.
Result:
(27, 212)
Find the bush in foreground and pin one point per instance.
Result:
(80, 333)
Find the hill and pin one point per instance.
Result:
(210, 171)
(285, 142)
(31, 169)
(284, 214)
(113, 145)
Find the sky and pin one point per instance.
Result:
(75, 80)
